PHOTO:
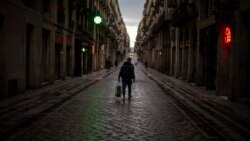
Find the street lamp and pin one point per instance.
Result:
(83, 50)
(97, 19)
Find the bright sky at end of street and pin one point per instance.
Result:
(131, 11)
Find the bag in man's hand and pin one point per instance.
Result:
(118, 90)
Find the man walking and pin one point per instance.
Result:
(127, 74)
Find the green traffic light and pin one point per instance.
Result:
(97, 19)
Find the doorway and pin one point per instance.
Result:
(179, 63)
(245, 48)
(208, 48)
(58, 60)
(173, 60)
(167, 55)
(185, 62)
(45, 55)
(29, 46)
(68, 60)
(248, 61)
(1, 55)
(78, 58)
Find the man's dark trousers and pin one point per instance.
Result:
(124, 85)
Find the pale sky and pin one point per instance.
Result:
(131, 11)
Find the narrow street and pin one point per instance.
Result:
(96, 114)
(60, 60)
(85, 108)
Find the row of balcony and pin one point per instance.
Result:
(186, 11)
(175, 13)
(183, 13)
(158, 15)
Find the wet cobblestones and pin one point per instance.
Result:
(96, 114)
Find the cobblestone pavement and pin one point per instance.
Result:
(20, 110)
(96, 114)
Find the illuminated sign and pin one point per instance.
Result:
(227, 35)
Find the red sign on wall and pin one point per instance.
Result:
(227, 35)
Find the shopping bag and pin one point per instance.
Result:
(118, 90)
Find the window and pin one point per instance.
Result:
(28, 3)
(61, 12)
(71, 8)
(46, 6)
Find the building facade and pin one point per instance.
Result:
(204, 42)
(47, 40)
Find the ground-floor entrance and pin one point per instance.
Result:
(208, 51)
(58, 60)
(68, 60)
(45, 55)
(248, 63)
(1, 56)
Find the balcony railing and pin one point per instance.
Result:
(228, 4)
(172, 3)
(159, 21)
(184, 13)
(104, 4)
(158, 3)
(224, 9)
